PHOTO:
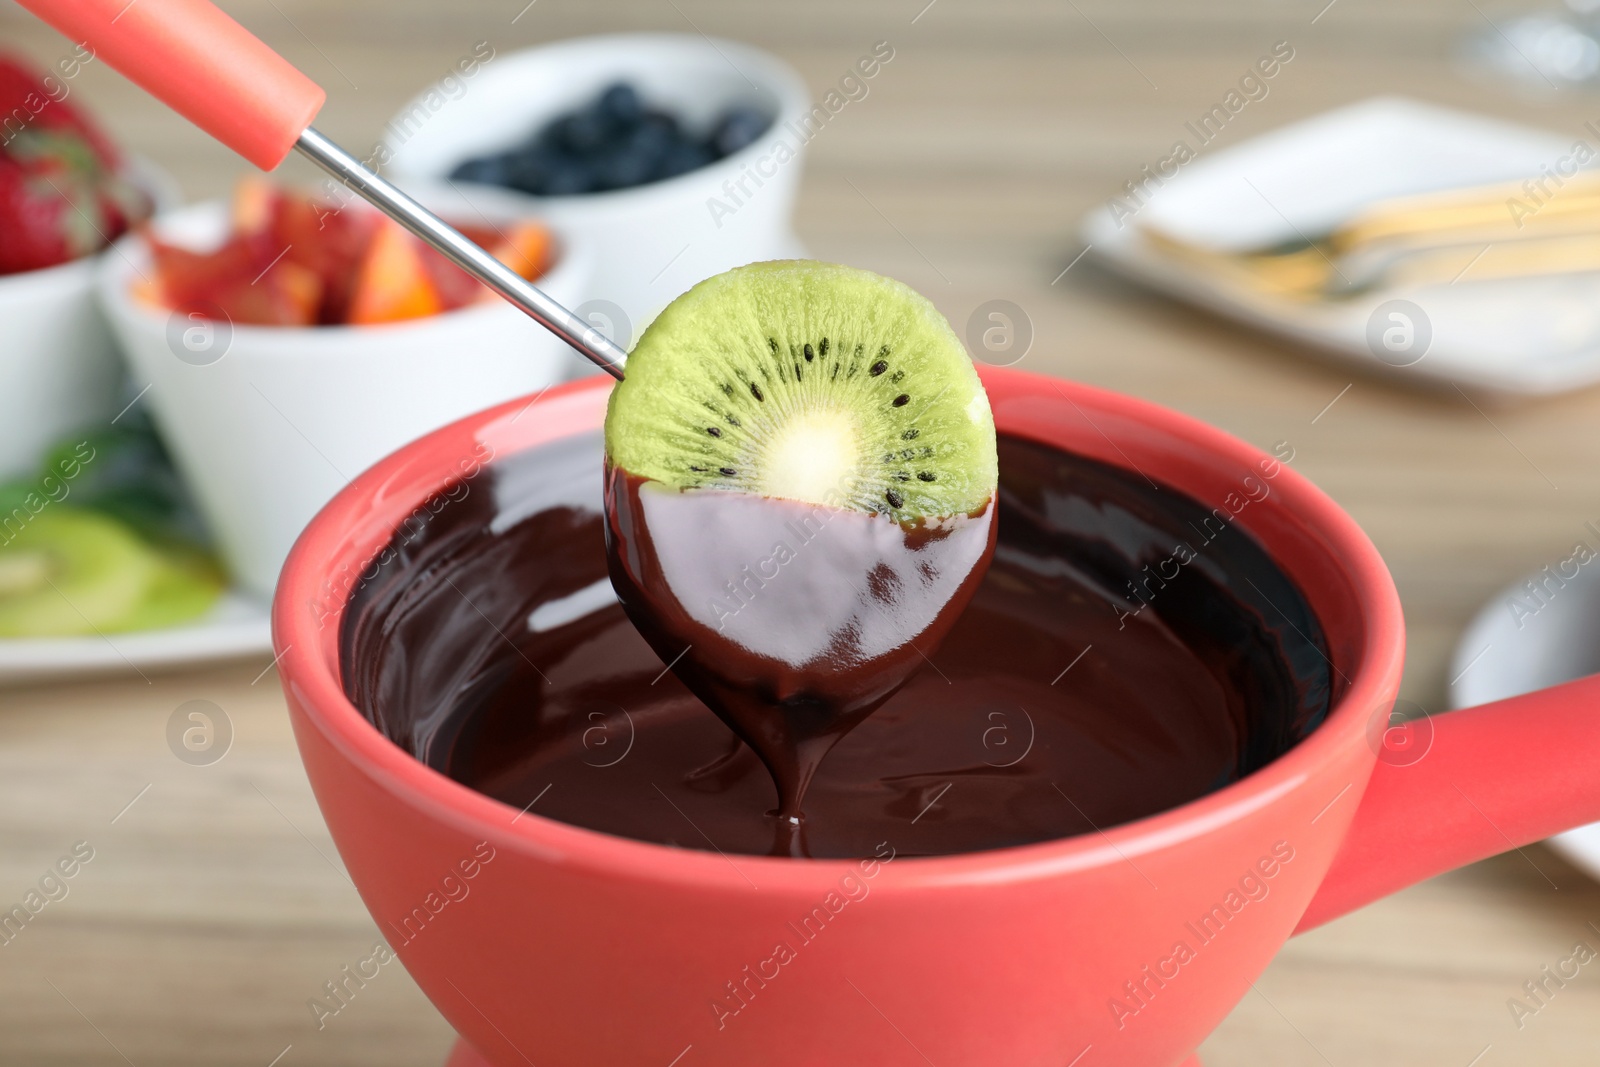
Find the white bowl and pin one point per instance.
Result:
(653, 241)
(1524, 640)
(267, 423)
(59, 370)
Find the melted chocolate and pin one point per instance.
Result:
(793, 622)
(491, 646)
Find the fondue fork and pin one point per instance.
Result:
(214, 72)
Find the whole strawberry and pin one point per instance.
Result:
(31, 100)
(62, 193)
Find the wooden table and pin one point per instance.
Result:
(215, 906)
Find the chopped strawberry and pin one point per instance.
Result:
(522, 246)
(238, 282)
(526, 248)
(327, 241)
(286, 295)
(393, 283)
(191, 280)
(255, 205)
(294, 260)
(456, 288)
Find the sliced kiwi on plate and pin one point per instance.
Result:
(70, 572)
(185, 586)
(808, 381)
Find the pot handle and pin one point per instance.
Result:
(1493, 778)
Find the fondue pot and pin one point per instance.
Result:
(574, 948)
(545, 943)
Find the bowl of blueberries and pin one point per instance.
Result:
(673, 156)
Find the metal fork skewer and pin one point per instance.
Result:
(589, 342)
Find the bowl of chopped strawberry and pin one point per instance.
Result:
(291, 340)
(66, 193)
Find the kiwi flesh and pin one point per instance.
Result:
(70, 572)
(812, 382)
(185, 586)
(76, 572)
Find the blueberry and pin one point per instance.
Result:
(683, 157)
(549, 136)
(738, 128)
(570, 178)
(613, 143)
(623, 169)
(484, 170)
(530, 169)
(621, 104)
(665, 121)
(585, 132)
(650, 140)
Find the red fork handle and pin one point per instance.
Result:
(1496, 777)
(199, 62)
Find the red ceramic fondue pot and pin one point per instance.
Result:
(574, 948)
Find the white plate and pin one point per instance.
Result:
(1519, 337)
(1517, 652)
(239, 625)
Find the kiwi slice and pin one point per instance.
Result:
(808, 381)
(186, 585)
(68, 572)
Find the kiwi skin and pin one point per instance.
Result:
(812, 381)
